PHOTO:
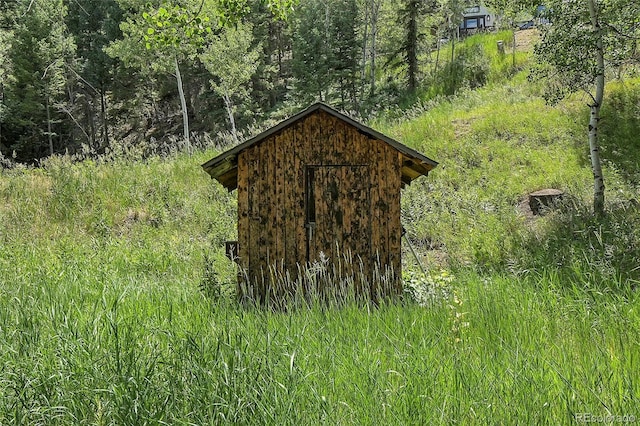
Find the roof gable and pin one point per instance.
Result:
(224, 167)
(477, 10)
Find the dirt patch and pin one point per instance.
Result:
(462, 126)
(526, 39)
(134, 217)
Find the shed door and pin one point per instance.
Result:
(338, 213)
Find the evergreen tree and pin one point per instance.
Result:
(345, 50)
(310, 64)
(412, 16)
(273, 73)
(326, 49)
(5, 73)
(94, 24)
(34, 98)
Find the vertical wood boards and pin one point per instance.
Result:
(243, 221)
(394, 162)
(356, 190)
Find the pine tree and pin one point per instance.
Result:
(94, 24)
(326, 49)
(34, 99)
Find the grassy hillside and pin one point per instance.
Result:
(500, 143)
(536, 320)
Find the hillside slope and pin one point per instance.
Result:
(519, 319)
(495, 144)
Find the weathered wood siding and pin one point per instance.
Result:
(357, 183)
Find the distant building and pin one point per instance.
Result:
(476, 19)
(542, 15)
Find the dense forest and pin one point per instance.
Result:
(75, 75)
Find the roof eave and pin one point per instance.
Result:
(219, 166)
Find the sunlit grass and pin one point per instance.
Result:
(534, 321)
(83, 344)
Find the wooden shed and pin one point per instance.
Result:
(319, 186)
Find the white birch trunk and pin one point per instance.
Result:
(49, 130)
(183, 104)
(594, 117)
(232, 121)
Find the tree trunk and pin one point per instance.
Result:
(90, 120)
(49, 125)
(412, 46)
(183, 104)
(453, 65)
(365, 36)
(435, 68)
(232, 121)
(375, 9)
(514, 50)
(594, 117)
(105, 126)
(1, 106)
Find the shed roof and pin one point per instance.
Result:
(224, 167)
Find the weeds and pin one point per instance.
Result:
(102, 320)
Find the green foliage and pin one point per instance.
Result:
(428, 289)
(103, 319)
(175, 26)
(476, 62)
(470, 67)
(93, 25)
(325, 52)
(232, 60)
(39, 51)
(566, 52)
(585, 252)
(166, 33)
(218, 280)
(619, 136)
(231, 12)
(115, 60)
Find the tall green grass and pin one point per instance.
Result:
(496, 145)
(102, 322)
(105, 349)
(531, 321)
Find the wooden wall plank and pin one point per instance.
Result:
(298, 202)
(280, 229)
(243, 221)
(394, 161)
(376, 219)
(289, 195)
(254, 165)
(269, 198)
